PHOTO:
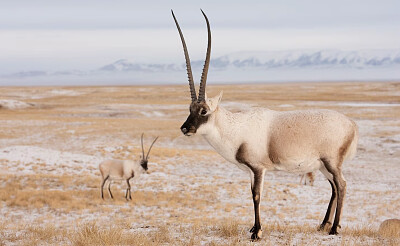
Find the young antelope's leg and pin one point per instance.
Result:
(128, 190)
(256, 190)
(102, 186)
(109, 189)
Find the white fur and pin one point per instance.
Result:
(226, 131)
(301, 142)
(112, 170)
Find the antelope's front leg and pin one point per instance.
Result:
(256, 190)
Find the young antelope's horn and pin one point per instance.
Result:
(147, 156)
(141, 140)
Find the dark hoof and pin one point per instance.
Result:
(257, 235)
(333, 232)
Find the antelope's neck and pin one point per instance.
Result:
(223, 135)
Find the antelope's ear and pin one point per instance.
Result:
(214, 101)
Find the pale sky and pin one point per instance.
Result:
(59, 35)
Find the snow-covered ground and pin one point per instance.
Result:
(14, 104)
(71, 141)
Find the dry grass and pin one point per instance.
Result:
(92, 234)
(228, 229)
(63, 208)
(35, 192)
(230, 232)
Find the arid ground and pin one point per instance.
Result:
(53, 138)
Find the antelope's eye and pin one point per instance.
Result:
(203, 112)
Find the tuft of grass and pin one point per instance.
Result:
(228, 229)
(45, 233)
(92, 234)
(162, 235)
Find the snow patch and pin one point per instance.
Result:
(62, 92)
(22, 157)
(14, 104)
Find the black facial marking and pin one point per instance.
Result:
(197, 117)
(143, 163)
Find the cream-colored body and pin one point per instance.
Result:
(120, 169)
(292, 141)
(301, 142)
(112, 170)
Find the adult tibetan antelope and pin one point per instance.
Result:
(265, 140)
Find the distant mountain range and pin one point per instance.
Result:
(265, 64)
(276, 59)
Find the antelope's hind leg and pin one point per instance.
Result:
(338, 184)
(331, 207)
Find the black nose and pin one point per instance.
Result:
(184, 130)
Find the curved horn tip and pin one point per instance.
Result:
(203, 13)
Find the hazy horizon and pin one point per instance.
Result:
(54, 36)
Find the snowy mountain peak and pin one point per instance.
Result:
(308, 58)
(275, 59)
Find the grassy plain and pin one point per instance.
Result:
(51, 147)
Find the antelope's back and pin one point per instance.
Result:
(311, 133)
(113, 168)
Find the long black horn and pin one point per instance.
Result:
(141, 140)
(203, 80)
(188, 67)
(147, 156)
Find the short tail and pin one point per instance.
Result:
(352, 150)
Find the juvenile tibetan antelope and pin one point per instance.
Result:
(263, 140)
(123, 170)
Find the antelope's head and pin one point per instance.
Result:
(144, 160)
(201, 108)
